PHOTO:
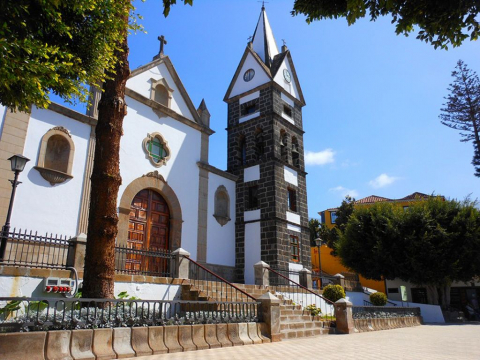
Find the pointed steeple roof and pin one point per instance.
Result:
(263, 42)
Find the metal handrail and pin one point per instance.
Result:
(366, 293)
(300, 286)
(220, 278)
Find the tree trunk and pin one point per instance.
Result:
(432, 294)
(445, 296)
(102, 221)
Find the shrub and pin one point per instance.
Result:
(378, 299)
(333, 292)
(314, 311)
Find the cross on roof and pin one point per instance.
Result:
(263, 4)
(162, 43)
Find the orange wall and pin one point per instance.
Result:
(331, 265)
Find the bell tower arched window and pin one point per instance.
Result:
(259, 143)
(295, 152)
(243, 150)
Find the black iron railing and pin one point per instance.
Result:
(213, 287)
(323, 279)
(300, 295)
(37, 314)
(150, 262)
(373, 312)
(30, 249)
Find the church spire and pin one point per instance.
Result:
(263, 42)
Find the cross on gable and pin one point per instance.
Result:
(163, 42)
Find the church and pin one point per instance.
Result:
(171, 197)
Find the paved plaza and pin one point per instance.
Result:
(428, 342)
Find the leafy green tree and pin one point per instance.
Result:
(57, 47)
(343, 213)
(314, 226)
(462, 110)
(440, 22)
(433, 244)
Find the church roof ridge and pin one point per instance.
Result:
(263, 41)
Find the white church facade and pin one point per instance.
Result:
(171, 196)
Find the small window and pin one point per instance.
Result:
(333, 216)
(292, 200)
(243, 150)
(161, 95)
(295, 153)
(294, 248)
(287, 110)
(248, 108)
(156, 149)
(392, 290)
(253, 197)
(283, 145)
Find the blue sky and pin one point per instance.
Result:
(373, 98)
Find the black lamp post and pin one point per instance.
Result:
(17, 163)
(318, 242)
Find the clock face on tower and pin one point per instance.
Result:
(249, 74)
(287, 76)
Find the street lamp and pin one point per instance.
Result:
(318, 242)
(17, 163)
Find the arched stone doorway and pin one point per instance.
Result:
(156, 183)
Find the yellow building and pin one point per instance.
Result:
(331, 264)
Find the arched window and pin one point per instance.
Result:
(156, 149)
(259, 143)
(295, 152)
(222, 205)
(161, 95)
(283, 145)
(243, 150)
(55, 160)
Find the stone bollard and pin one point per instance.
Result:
(76, 252)
(140, 341)
(122, 340)
(58, 345)
(24, 345)
(262, 332)
(182, 265)
(340, 280)
(170, 338)
(103, 344)
(253, 333)
(155, 340)
(211, 336)
(343, 314)
(81, 345)
(261, 273)
(185, 338)
(198, 335)
(222, 335)
(234, 334)
(243, 334)
(306, 278)
(270, 315)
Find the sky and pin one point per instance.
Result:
(373, 98)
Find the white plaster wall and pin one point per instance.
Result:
(252, 250)
(251, 215)
(294, 268)
(40, 206)
(292, 217)
(142, 84)
(279, 79)
(20, 286)
(294, 228)
(249, 97)
(290, 175)
(181, 171)
(251, 173)
(260, 77)
(220, 239)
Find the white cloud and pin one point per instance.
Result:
(382, 181)
(344, 191)
(319, 158)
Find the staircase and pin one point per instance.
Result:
(294, 321)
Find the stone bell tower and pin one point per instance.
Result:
(265, 150)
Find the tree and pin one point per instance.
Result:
(433, 244)
(462, 110)
(440, 22)
(56, 46)
(343, 213)
(314, 226)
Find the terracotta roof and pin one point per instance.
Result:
(371, 199)
(415, 196)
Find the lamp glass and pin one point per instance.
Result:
(318, 242)
(18, 162)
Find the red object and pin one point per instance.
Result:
(48, 289)
(55, 289)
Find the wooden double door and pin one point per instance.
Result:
(148, 233)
